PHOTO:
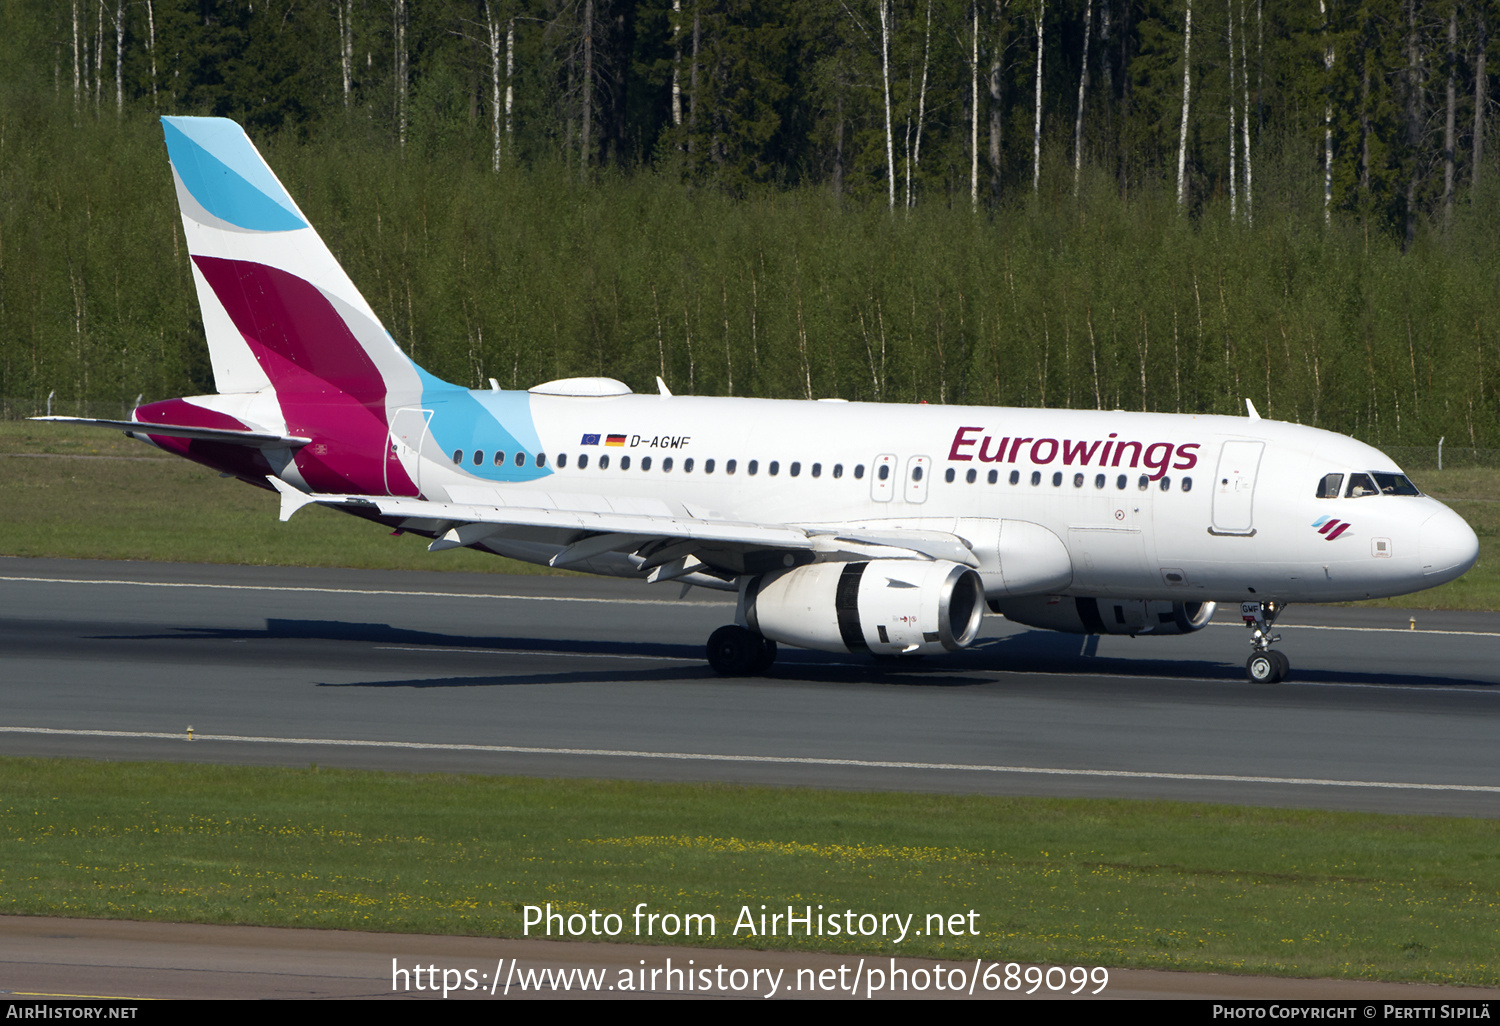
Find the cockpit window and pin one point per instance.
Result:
(1395, 484)
(1329, 486)
(1360, 485)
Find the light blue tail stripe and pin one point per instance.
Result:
(219, 166)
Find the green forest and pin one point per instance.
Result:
(1166, 205)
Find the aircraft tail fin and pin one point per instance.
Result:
(279, 312)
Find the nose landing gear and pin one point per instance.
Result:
(1265, 665)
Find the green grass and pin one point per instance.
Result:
(158, 507)
(145, 504)
(1169, 885)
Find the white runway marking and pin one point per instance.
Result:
(361, 591)
(767, 759)
(616, 601)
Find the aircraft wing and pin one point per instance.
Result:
(253, 439)
(671, 546)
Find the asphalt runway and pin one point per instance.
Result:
(553, 676)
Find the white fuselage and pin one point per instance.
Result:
(1148, 505)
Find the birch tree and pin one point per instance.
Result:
(401, 70)
(1233, 171)
(1327, 114)
(344, 14)
(1450, 142)
(1481, 95)
(1083, 85)
(1036, 135)
(1187, 50)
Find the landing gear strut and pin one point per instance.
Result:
(737, 652)
(1265, 665)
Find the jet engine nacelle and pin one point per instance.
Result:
(1105, 616)
(883, 606)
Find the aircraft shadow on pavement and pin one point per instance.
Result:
(1030, 651)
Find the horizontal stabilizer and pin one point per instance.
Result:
(253, 439)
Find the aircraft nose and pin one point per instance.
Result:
(1448, 546)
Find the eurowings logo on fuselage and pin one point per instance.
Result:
(1156, 456)
(1330, 528)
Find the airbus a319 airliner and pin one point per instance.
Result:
(846, 527)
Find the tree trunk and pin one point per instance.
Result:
(885, 83)
(1233, 170)
(399, 31)
(1327, 115)
(119, 57)
(151, 48)
(492, 29)
(510, 79)
(1481, 98)
(344, 9)
(1187, 51)
(77, 67)
(1036, 135)
(1083, 85)
(586, 136)
(997, 108)
(914, 156)
(1413, 119)
(676, 63)
(1245, 113)
(1450, 143)
(973, 102)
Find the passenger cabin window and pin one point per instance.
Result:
(859, 472)
(583, 461)
(752, 467)
(520, 459)
(478, 457)
(499, 458)
(458, 455)
(1330, 485)
(666, 465)
(1015, 477)
(994, 476)
(1187, 484)
(1036, 478)
(796, 468)
(1395, 484)
(603, 462)
(1360, 485)
(624, 462)
(645, 462)
(971, 476)
(562, 460)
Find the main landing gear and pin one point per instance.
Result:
(737, 652)
(1265, 665)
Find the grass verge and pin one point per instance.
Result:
(85, 493)
(1072, 882)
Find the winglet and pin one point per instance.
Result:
(292, 499)
(1250, 410)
